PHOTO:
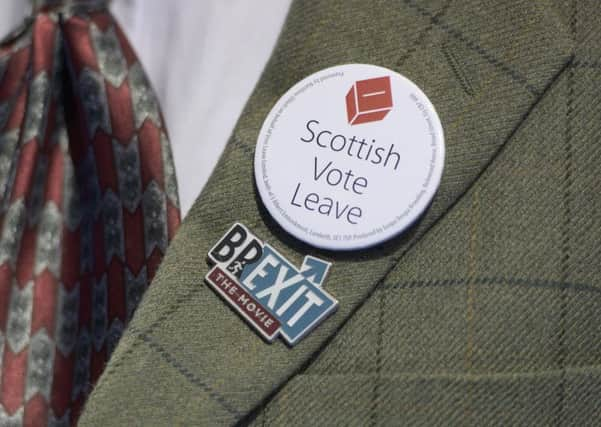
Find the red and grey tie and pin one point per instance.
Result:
(88, 204)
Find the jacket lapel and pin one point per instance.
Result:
(187, 356)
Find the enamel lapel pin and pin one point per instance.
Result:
(270, 293)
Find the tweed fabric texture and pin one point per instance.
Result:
(88, 203)
(485, 312)
(493, 318)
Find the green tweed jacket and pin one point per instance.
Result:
(487, 312)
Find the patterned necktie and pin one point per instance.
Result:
(88, 205)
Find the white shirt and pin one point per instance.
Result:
(203, 58)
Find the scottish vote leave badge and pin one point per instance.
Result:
(274, 296)
(349, 157)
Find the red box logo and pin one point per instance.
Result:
(369, 100)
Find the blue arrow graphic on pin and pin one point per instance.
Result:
(315, 269)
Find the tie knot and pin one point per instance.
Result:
(46, 5)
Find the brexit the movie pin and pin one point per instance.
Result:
(274, 296)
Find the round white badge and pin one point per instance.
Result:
(349, 157)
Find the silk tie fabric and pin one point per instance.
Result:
(88, 205)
